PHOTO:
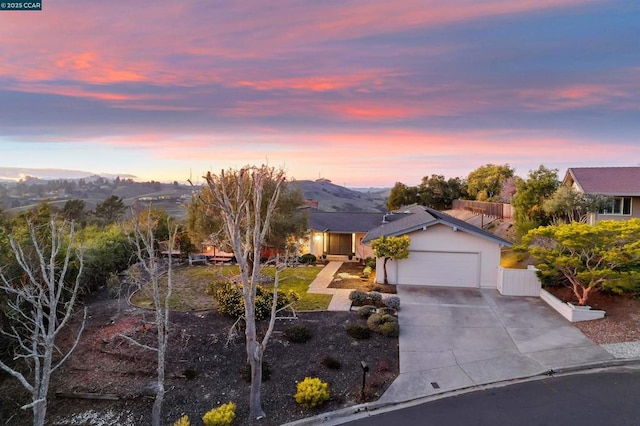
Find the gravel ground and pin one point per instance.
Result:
(625, 350)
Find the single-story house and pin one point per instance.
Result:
(621, 185)
(444, 250)
(339, 233)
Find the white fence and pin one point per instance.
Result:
(518, 282)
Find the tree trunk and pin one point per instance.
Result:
(254, 358)
(384, 269)
(39, 412)
(157, 404)
(255, 403)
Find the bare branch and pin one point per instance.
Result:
(136, 343)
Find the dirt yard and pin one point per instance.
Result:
(349, 275)
(204, 369)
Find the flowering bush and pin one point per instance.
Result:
(182, 421)
(312, 392)
(221, 416)
(231, 302)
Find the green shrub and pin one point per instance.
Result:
(331, 363)
(375, 296)
(370, 262)
(266, 372)
(182, 421)
(312, 392)
(376, 322)
(366, 311)
(307, 258)
(389, 329)
(386, 311)
(231, 302)
(358, 332)
(221, 416)
(367, 271)
(392, 302)
(298, 334)
(358, 297)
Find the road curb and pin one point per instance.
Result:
(360, 411)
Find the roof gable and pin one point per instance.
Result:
(416, 218)
(605, 180)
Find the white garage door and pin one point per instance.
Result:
(448, 269)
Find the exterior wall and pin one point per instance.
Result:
(362, 251)
(635, 213)
(444, 239)
(317, 244)
(314, 244)
(518, 282)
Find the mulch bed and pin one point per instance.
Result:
(204, 369)
(352, 278)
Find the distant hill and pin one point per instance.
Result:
(17, 196)
(17, 173)
(333, 198)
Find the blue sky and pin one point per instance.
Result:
(365, 93)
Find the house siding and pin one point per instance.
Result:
(442, 238)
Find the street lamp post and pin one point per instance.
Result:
(365, 370)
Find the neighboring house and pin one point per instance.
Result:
(620, 184)
(444, 251)
(340, 233)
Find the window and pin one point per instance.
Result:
(617, 205)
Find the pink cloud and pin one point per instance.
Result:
(574, 96)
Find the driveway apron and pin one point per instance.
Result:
(456, 338)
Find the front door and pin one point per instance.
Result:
(340, 244)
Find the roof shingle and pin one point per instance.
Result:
(607, 180)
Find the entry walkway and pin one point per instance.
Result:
(340, 300)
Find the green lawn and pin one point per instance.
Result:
(190, 284)
(510, 259)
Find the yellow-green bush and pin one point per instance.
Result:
(221, 416)
(182, 421)
(312, 392)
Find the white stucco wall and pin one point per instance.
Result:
(444, 239)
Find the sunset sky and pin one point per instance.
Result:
(364, 93)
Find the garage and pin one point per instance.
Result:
(443, 251)
(447, 269)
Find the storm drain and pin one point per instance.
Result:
(435, 385)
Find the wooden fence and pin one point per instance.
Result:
(498, 210)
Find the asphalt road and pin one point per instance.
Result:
(599, 398)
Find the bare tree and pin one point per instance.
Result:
(42, 303)
(153, 268)
(238, 195)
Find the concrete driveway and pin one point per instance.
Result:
(456, 338)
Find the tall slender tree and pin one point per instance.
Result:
(246, 210)
(41, 303)
(144, 242)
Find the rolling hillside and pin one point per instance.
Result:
(333, 198)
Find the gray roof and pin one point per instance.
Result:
(606, 180)
(416, 217)
(343, 222)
